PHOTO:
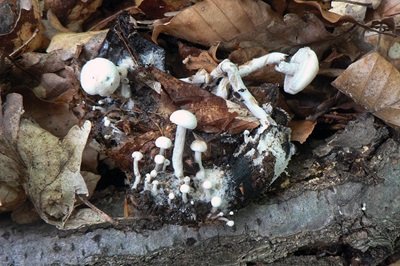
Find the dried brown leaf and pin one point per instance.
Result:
(212, 21)
(20, 28)
(58, 80)
(373, 82)
(301, 129)
(213, 113)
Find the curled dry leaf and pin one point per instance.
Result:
(53, 168)
(214, 114)
(245, 23)
(373, 82)
(20, 27)
(301, 129)
(58, 80)
(12, 174)
(72, 13)
(212, 21)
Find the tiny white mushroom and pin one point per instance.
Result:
(207, 185)
(199, 146)
(99, 76)
(163, 143)
(166, 164)
(137, 156)
(159, 160)
(106, 121)
(216, 202)
(147, 182)
(171, 196)
(153, 173)
(154, 189)
(184, 120)
(184, 189)
(301, 70)
(226, 66)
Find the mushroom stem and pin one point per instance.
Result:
(166, 164)
(260, 62)
(154, 189)
(286, 68)
(177, 153)
(147, 182)
(238, 86)
(137, 156)
(197, 158)
(185, 188)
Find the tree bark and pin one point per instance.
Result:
(341, 205)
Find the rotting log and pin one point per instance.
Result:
(342, 205)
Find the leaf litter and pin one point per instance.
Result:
(42, 159)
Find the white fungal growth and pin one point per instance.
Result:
(199, 146)
(216, 202)
(238, 86)
(99, 76)
(159, 161)
(184, 120)
(154, 188)
(184, 189)
(300, 71)
(137, 156)
(166, 164)
(163, 143)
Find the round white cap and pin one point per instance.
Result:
(207, 184)
(184, 119)
(198, 145)
(99, 76)
(163, 142)
(216, 201)
(137, 155)
(159, 159)
(184, 188)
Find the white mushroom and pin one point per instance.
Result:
(147, 182)
(199, 146)
(207, 185)
(184, 120)
(226, 66)
(171, 196)
(137, 156)
(163, 143)
(99, 76)
(216, 202)
(166, 164)
(154, 189)
(185, 189)
(159, 161)
(301, 70)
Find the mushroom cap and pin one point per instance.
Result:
(230, 223)
(171, 195)
(159, 159)
(207, 184)
(198, 145)
(137, 155)
(216, 201)
(184, 188)
(184, 119)
(99, 76)
(163, 142)
(307, 69)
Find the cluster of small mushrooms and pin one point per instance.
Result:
(210, 186)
